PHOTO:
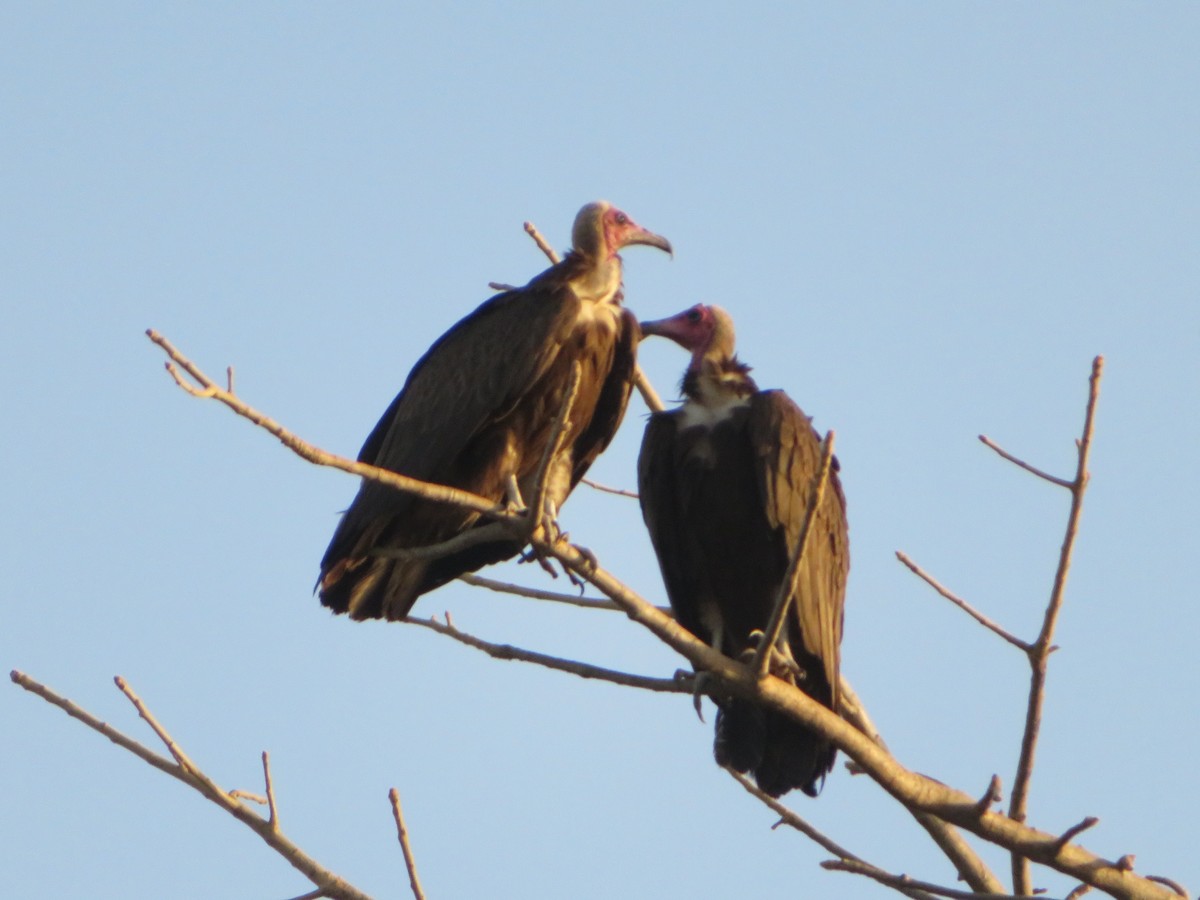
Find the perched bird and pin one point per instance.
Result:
(724, 482)
(476, 413)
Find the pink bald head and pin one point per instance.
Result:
(601, 231)
(707, 331)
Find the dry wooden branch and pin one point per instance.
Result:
(503, 587)
(1053, 479)
(543, 244)
(921, 795)
(904, 883)
(991, 796)
(410, 861)
(541, 513)
(1039, 652)
(209, 389)
(911, 789)
(646, 389)
(961, 604)
(791, 819)
(787, 590)
(583, 670)
(1075, 830)
(620, 492)
(183, 769)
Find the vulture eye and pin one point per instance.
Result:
(693, 316)
(621, 218)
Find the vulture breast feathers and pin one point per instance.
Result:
(724, 483)
(477, 410)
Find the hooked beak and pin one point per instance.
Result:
(649, 239)
(671, 327)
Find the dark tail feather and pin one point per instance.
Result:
(381, 588)
(741, 736)
(793, 757)
(372, 588)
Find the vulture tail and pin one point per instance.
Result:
(741, 735)
(794, 756)
(382, 588)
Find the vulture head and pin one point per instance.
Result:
(601, 231)
(706, 331)
(714, 377)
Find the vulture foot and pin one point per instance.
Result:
(781, 663)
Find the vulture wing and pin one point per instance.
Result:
(789, 456)
(471, 376)
(665, 511)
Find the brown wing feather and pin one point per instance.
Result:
(665, 513)
(613, 399)
(789, 454)
(472, 375)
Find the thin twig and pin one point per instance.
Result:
(904, 883)
(789, 818)
(410, 861)
(991, 796)
(480, 534)
(272, 809)
(1173, 885)
(920, 795)
(583, 670)
(915, 791)
(1079, 828)
(543, 244)
(646, 389)
(1053, 479)
(329, 884)
(1079, 891)
(504, 587)
(209, 389)
(540, 511)
(962, 604)
(620, 492)
(787, 590)
(1039, 652)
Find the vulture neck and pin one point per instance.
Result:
(598, 280)
(714, 388)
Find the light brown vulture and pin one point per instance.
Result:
(724, 482)
(476, 411)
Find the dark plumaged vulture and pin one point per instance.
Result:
(476, 412)
(724, 482)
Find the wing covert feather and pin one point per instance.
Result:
(788, 450)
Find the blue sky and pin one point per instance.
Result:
(925, 219)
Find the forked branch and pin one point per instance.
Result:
(1039, 652)
(182, 768)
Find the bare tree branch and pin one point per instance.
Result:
(790, 818)
(541, 511)
(961, 604)
(646, 389)
(923, 796)
(905, 884)
(620, 492)
(209, 389)
(583, 670)
(410, 861)
(911, 789)
(543, 244)
(328, 883)
(504, 587)
(1053, 479)
(1040, 651)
